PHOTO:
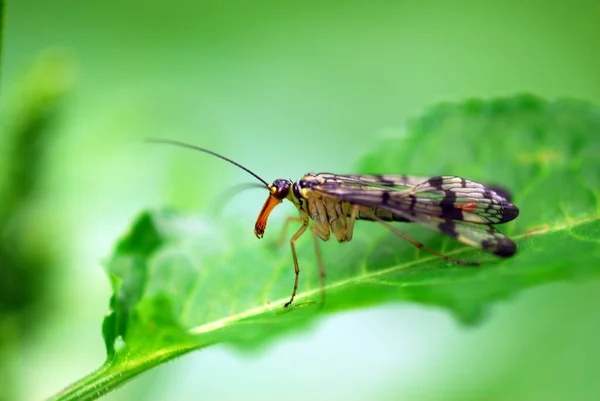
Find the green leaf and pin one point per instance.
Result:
(182, 283)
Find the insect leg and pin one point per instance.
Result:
(296, 268)
(287, 222)
(350, 222)
(419, 245)
(320, 263)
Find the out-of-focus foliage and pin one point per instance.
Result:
(26, 133)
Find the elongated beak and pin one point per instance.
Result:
(261, 221)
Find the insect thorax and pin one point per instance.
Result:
(330, 213)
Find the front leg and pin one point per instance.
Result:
(296, 268)
(283, 235)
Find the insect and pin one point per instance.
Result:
(462, 209)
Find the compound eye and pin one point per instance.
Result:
(280, 189)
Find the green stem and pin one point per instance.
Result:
(116, 372)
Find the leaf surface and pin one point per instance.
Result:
(182, 283)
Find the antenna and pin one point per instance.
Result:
(210, 152)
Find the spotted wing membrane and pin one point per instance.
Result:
(462, 209)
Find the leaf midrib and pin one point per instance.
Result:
(278, 305)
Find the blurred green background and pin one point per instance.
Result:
(285, 88)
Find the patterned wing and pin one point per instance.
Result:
(446, 197)
(396, 182)
(456, 198)
(457, 207)
(484, 236)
